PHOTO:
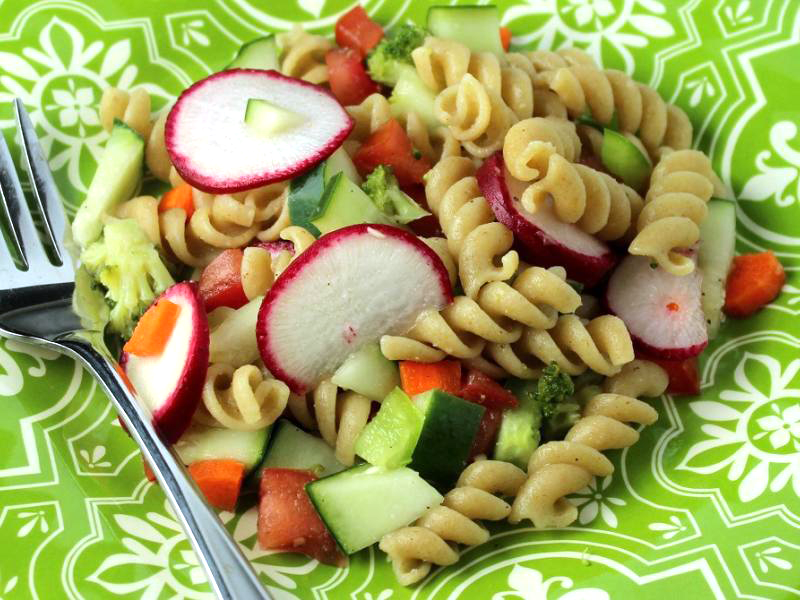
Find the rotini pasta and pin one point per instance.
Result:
(477, 496)
(303, 55)
(441, 63)
(557, 469)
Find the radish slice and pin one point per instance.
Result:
(216, 150)
(171, 383)
(348, 289)
(543, 239)
(663, 312)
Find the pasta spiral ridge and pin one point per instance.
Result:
(680, 187)
(303, 55)
(557, 469)
(476, 496)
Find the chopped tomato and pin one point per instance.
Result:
(426, 226)
(684, 375)
(389, 145)
(356, 30)
(288, 521)
(482, 389)
(755, 280)
(221, 281)
(505, 38)
(487, 432)
(347, 77)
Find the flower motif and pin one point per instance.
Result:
(588, 11)
(383, 595)
(33, 519)
(94, 460)
(671, 529)
(593, 501)
(530, 584)
(700, 87)
(739, 15)
(782, 428)
(74, 105)
(9, 585)
(767, 558)
(191, 31)
(775, 180)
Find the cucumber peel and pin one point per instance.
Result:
(624, 159)
(477, 27)
(261, 53)
(717, 247)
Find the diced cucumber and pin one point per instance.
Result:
(344, 203)
(410, 94)
(118, 175)
(234, 341)
(293, 448)
(448, 430)
(362, 504)
(368, 373)
(519, 433)
(261, 53)
(390, 437)
(266, 118)
(625, 160)
(340, 162)
(717, 247)
(200, 442)
(477, 27)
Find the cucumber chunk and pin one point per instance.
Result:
(368, 372)
(200, 442)
(717, 247)
(267, 118)
(362, 504)
(625, 159)
(390, 437)
(477, 27)
(519, 433)
(118, 175)
(261, 53)
(234, 340)
(448, 430)
(410, 94)
(340, 162)
(344, 203)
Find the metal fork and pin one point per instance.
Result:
(36, 307)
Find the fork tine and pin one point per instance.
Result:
(10, 195)
(44, 188)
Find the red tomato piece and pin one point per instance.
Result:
(684, 375)
(221, 281)
(288, 521)
(487, 432)
(356, 30)
(482, 389)
(347, 77)
(389, 145)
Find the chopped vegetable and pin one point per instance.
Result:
(153, 330)
(221, 281)
(482, 389)
(220, 481)
(419, 377)
(553, 388)
(505, 38)
(487, 432)
(347, 77)
(382, 187)
(390, 437)
(178, 197)
(684, 375)
(393, 51)
(125, 262)
(755, 280)
(356, 30)
(389, 145)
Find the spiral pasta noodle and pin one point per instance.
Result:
(243, 398)
(557, 469)
(303, 55)
(441, 63)
(676, 203)
(477, 496)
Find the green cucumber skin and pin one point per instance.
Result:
(622, 158)
(261, 53)
(519, 434)
(344, 203)
(211, 443)
(477, 27)
(389, 439)
(369, 373)
(448, 430)
(717, 248)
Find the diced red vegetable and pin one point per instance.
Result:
(390, 145)
(417, 377)
(347, 77)
(221, 281)
(684, 375)
(220, 480)
(505, 38)
(426, 226)
(288, 521)
(148, 472)
(487, 432)
(482, 389)
(755, 280)
(356, 30)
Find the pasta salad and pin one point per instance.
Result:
(407, 281)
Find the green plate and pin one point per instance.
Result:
(707, 505)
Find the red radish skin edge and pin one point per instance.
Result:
(667, 353)
(172, 418)
(295, 270)
(537, 246)
(200, 181)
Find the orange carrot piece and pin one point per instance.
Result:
(220, 481)
(754, 281)
(153, 329)
(416, 377)
(124, 376)
(178, 197)
(148, 472)
(505, 38)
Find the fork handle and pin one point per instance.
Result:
(229, 572)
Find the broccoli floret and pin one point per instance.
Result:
(382, 188)
(553, 388)
(127, 265)
(393, 51)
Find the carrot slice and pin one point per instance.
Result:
(220, 480)
(154, 329)
(178, 197)
(505, 38)
(754, 281)
(416, 377)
